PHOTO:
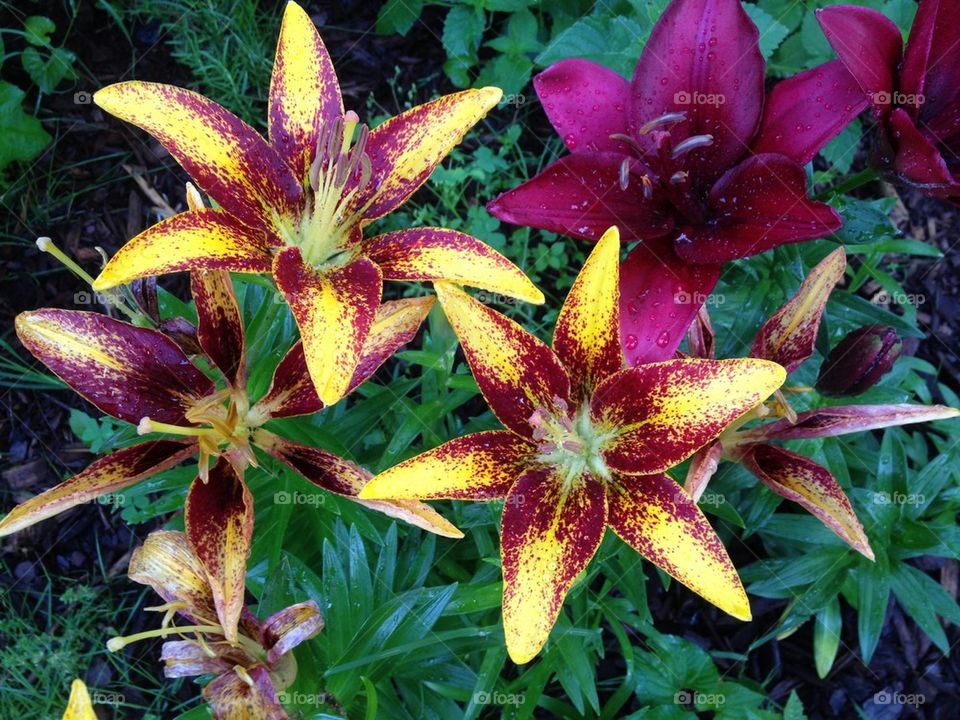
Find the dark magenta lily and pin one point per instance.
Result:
(691, 156)
(915, 92)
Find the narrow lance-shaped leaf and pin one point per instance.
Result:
(789, 335)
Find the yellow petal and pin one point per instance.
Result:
(587, 335)
(79, 706)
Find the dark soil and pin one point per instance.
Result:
(39, 447)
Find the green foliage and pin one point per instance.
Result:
(47, 66)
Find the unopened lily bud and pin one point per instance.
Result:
(858, 361)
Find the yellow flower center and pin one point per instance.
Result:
(224, 423)
(570, 443)
(339, 172)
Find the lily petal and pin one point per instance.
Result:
(660, 414)
(660, 295)
(431, 253)
(79, 706)
(293, 625)
(845, 419)
(516, 372)
(220, 326)
(114, 472)
(167, 563)
(292, 391)
(207, 239)
(806, 111)
(304, 92)
(218, 516)
(931, 62)
(703, 58)
(789, 336)
(654, 516)
(918, 161)
(336, 475)
(481, 466)
(128, 372)
(870, 46)
(761, 203)
(334, 310)
(549, 534)
(586, 103)
(703, 465)
(580, 195)
(812, 486)
(405, 149)
(587, 336)
(231, 697)
(227, 158)
(186, 658)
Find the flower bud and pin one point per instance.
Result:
(858, 361)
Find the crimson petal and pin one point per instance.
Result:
(586, 103)
(758, 205)
(804, 112)
(869, 45)
(128, 372)
(702, 58)
(931, 62)
(660, 295)
(580, 195)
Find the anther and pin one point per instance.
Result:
(670, 118)
(691, 143)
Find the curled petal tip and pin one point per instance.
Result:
(493, 95)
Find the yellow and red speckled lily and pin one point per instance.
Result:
(249, 667)
(295, 205)
(789, 337)
(141, 376)
(587, 445)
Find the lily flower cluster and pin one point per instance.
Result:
(691, 157)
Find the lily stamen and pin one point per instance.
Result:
(670, 118)
(691, 143)
(147, 426)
